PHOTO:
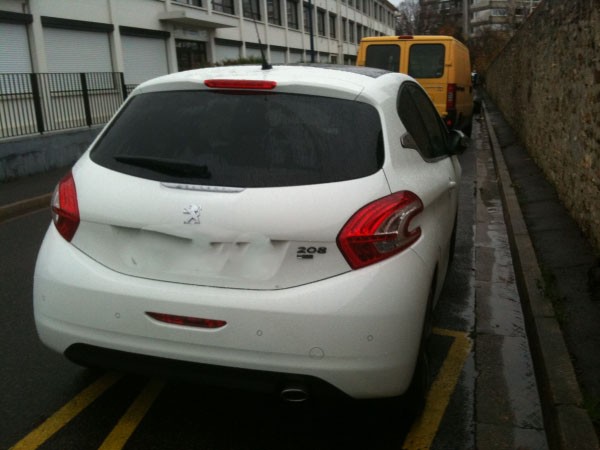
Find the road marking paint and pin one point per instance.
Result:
(425, 427)
(65, 414)
(118, 437)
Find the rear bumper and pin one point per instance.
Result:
(358, 331)
(227, 377)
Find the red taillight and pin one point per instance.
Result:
(65, 210)
(240, 84)
(380, 229)
(187, 321)
(451, 97)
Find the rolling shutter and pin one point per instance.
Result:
(277, 56)
(296, 56)
(77, 51)
(144, 58)
(14, 48)
(224, 52)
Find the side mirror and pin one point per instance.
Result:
(458, 142)
(408, 141)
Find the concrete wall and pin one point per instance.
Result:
(547, 84)
(35, 154)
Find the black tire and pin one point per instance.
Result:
(453, 242)
(416, 395)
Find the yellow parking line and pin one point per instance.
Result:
(65, 414)
(425, 428)
(118, 437)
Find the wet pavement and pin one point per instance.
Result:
(508, 410)
(551, 259)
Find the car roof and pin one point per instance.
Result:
(351, 80)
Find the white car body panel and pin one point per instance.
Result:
(248, 239)
(366, 330)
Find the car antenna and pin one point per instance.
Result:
(265, 63)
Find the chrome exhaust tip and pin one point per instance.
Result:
(294, 394)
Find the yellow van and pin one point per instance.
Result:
(441, 64)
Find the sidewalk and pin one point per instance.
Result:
(552, 260)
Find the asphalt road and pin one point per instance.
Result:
(50, 403)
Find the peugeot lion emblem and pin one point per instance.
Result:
(194, 212)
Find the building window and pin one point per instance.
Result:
(351, 31)
(307, 18)
(359, 33)
(274, 11)
(292, 14)
(252, 9)
(225, 6)
(190, 54)
(344, 28)
(190, 2)
(321, 22)
(358, 2)
(332, 26)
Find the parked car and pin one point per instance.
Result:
(288, 228)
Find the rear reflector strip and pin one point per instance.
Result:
(240, 84)
(187, 321)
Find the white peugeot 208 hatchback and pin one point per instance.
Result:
(288, 227)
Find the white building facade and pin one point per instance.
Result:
(147, 38)
(499, 15)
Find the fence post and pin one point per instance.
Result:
(86, 99)
(37, 102)
(123, 87)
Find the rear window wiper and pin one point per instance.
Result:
(166, 166)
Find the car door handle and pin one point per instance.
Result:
(452, 184)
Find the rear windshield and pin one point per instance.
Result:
(242, 139)
(426, 60)
(383, 57)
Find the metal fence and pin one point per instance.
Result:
(39, 102)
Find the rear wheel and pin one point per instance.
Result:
(415, 396)
(453, 241)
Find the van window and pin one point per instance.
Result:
(426, 60)
(242, 139)
(383, 57)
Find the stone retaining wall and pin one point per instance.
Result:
(546, 82)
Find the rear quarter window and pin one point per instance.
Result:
(422, 121)
(242, 139)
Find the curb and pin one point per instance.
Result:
(22, 207)
(567, 424)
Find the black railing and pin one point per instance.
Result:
(39, 102)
